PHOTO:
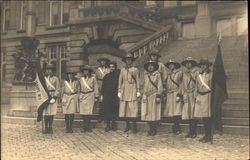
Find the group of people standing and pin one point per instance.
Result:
(181, 91)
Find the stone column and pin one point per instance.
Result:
(203, 20)
(31, 19)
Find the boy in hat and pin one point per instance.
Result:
(173, 106)
(151, 98)
(154, 56)
(88, 96)
(128, 92)
(100, 72)
(70, 89)
(188, 90)
(203, 98)
(53, 86)
(109, 97)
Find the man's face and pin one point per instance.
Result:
(103, 62)
(151, 68)
(48, 72)
(154, 57)
(188, 65)
(129, 61)
(204, 67)
(112, 67)
(171, 66)
(70, 76)
(86, 72)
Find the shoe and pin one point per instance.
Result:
(188, 135)
(202, 139)
(206, 139)
(153, 133)
(89, 130)
(177, 132)
(50, 131)
(70, 130)
(134, 131)
(193, 136)
(107, 129)
(45, 131)
(126, 129)
(149, 133)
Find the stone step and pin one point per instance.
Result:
(235, 114)
(142, 126)
(235, 121)
(238, 95)
(232, 101)
(235, 107)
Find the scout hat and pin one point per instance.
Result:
(103, 59)
(86, 67)
(154, 51)
(70, 71)
(206, 62)
(155, 64)
(176, 64)
(128, 56)
(190, 60)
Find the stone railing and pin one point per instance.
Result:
(160, 37)
(114, 10)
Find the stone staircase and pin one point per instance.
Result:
(235, 110)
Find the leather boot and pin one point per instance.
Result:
(46, 125)
(194, 128)
(84, 127)
(190, 130)
(134, 127)
(154, 125)
(150, 128)
(208, 131)
(50, 124)
(177, 125)
(71, 121)
(67, 122)
(108, 126)
(127, 127)
(113, 125)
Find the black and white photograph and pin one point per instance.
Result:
(124, 80)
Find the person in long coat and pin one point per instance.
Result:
(203, 98)
(70, 90)
(154, 56)
(100, 72)
(188, 91)
(128, 92)
(151, 97)
(53, 86)
(88, 95)
(173, 105)
(109, 96)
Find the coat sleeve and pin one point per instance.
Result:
(95, 87)
(57, 86)
(137, 80)
(103, 85)
(120, 81)
(159, 84)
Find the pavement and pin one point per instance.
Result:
(25, 142)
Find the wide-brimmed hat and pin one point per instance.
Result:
(176, 64)
(103, 59)
(87, 67)
(206, 62)
(69, 71)
(128, 56)
(49, 66)
(113, 62)
(154, 51)
(155, 64)
(189, 60)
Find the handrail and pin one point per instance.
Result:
(158, 38)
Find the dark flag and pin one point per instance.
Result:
(42, 95)
(219, 93)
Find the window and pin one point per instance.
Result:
(59, 12)
(242, 27)
(6, 16)
(40, 12)
(56, 55)
(188, 30)
(168, 4)
(187, 3)
(88, 4)
(3, 64)
(224, 27)
(23, 14)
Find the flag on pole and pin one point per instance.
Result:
(42, 95)
(219, 94)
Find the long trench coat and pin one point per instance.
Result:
(128, 86)
(69, 98)
(172, 107)
(87, 95)
(54, 92)
(188, 92)
(203, 96)
(109, 92)
(100, 73)
(150, 109)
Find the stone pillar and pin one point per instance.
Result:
(203, 20)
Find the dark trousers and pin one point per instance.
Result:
(193, 126)
(48, 121)
(69, 119)
(176, 126)
(207, 127)
(86, 122)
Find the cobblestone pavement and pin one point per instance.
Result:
(25, 142)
